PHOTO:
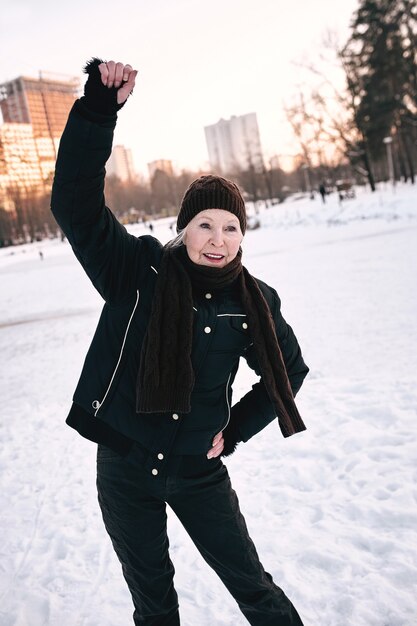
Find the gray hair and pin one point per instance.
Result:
(177, 241)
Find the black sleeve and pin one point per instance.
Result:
(112, 258)
(255, 410)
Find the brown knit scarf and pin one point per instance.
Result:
(166, 378)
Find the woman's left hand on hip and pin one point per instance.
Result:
(218, 445)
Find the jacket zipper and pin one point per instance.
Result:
(96, 403)
(228, 403)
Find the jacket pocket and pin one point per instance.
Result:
(232, 334)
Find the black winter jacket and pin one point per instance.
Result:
(124, 269)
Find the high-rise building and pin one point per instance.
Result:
(40, 108)
(43, 102)
(163, 165)
(234, 144)
(20, 171)
(18, 156)
(120, 164)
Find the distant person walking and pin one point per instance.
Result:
(155, 391)
(322, 191)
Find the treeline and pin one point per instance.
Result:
(162, 196)
(132, 202)
(380, 60)
(371, 122)
(31, 219)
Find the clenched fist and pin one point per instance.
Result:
(120, 76)
(108, 86)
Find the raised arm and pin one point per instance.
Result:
(110, 256)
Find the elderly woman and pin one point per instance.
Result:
(155, 391)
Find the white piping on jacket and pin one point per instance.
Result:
(152, 268)
(231, 315)
(97, 404)
(228, 403)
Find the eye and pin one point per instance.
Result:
(204, 225)
(231, 228)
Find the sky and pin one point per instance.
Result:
(197, 61)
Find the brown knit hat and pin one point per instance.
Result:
(211, 192)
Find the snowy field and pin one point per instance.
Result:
(332, 510)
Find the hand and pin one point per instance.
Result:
(217, 448)
(116, 74)
(108, 86)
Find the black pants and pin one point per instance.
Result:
(133, 505)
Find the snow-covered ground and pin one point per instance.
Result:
(332, 510)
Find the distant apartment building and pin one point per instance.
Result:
(120, 164)
(19, 155)
(162, 165)
(234, 144)
(20, 170)
(34, 113)
(43, 102)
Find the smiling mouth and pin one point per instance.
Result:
(213, 257)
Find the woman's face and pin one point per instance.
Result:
(213, 237)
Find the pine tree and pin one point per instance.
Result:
(380, 64)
